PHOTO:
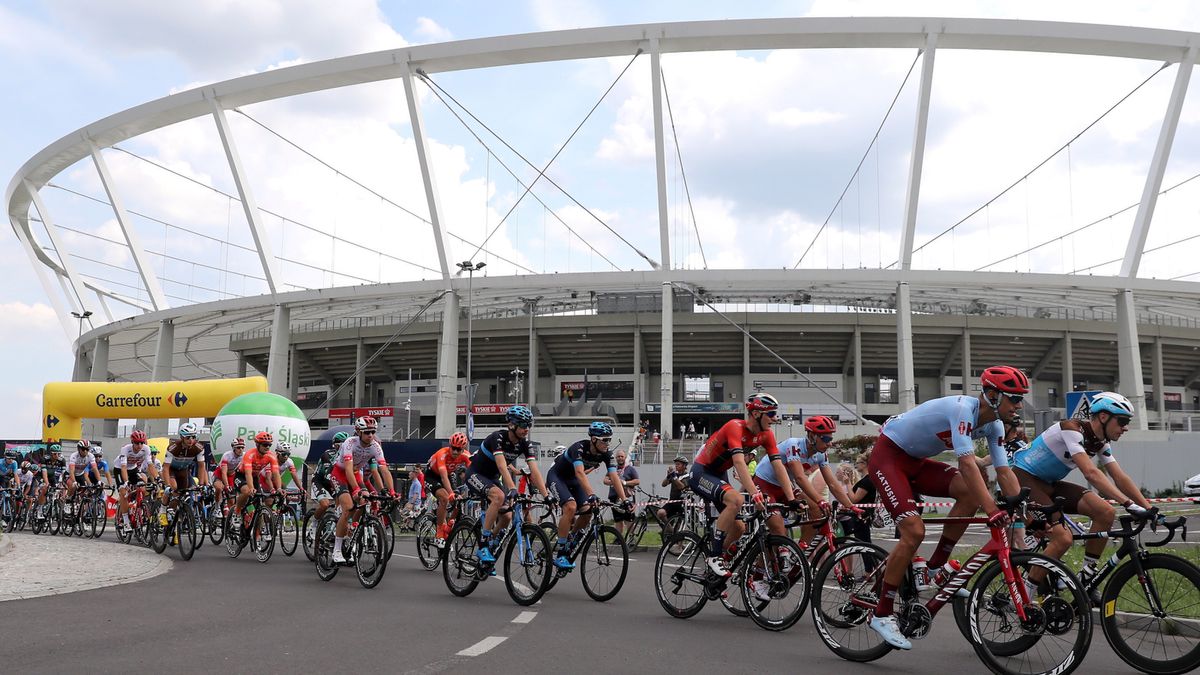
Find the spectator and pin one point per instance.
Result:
(415, 495)
(682, 431)
(691, 431)
(863, 492)
(628, 475)
(677, 477)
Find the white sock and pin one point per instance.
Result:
(337, 543)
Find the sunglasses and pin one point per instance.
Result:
(771, 413)
(1014, 398)
(604, 440)
(825, 439)
(1122, 421)
(523, 426)
(366, 433)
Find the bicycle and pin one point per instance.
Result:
(364, 546)
(600, 549)
(1010, 632)
(770, 571)
(527, 554)
(10, 508)
(139, 514)
(180, 527)
(1134, 597)
(256, 528)
(91, 511)
(426, 528)
(649, 513)
(287, 520)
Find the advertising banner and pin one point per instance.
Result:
(384, 416)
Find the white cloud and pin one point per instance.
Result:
(564, 14)
(795, 117)
(432, 31)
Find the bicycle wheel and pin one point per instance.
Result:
(262, 534)
(776, 582)
(308, 533)
(289, 530)
(99, 517)
(159, 535)
(323, 542)
(388, 527)
(527, 565)
(370, 555)
(733, 601)
(604, 564)
(427, 553)
(142, 531)
(1056, 632)
(235, 537)
(216, 526)
(636, 530)
(124, 534)
(844, 593)
(460, 567)
(54, 517)
(1158, 642)
(679, 573)
(8, 514)
(185, 530)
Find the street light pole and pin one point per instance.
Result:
(531, 306)
(470, 268)
(81, 317)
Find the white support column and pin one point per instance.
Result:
(747, 381)
(149, 278)
(1068, 370)
(63, 256)
(277, 357)
(431, 193)
(266, 254)
(164, 361)
(967, 378)
(100, 360)
(1158, 167)
(660, 159)
(1129, 356)
(917, 161)
(39, 270)
(1160, 385)
(360, 375)
(241, 365)
(531, 378)
(447, 390)
(293, 372)
(858, 374)
(904, 349)
(83, 367)
(667, 375)
(637, 375)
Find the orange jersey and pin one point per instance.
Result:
(445, 459)
(257, 462)
(734, 439)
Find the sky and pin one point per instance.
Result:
(768, 141)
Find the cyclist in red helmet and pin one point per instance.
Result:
(438, 471)
(900, 467)
(724, 450)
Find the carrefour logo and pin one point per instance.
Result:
(134, 401)
(178, 399)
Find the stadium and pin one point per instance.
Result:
(339, 317)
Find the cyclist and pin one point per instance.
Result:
(8, 468)
(677, 478)
(254, 463)
(727, 449)
(81, 467)
(627, 476)
(800, 456)
(491, 464)
(48, 474)
(321, 490)
(1071, 444)
(158, 465)
(437, 479)
(102, 464)
(283, 453)
(226, 472)
(182, 455)
(130, 467)
(569, 485)
(356, 452)
(900, 466)
(25, 479)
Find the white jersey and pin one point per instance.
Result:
(353, 450)
(1052, 455)
(78, 464)
(231, 461)
(131, 459)
(25, 478)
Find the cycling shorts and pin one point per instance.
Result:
(710, 486)
(771, 491)
(479, 484)
(1044, 493)
(320, 490)
(898, 477)
(565, 490)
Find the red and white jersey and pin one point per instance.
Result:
(353, 450)
(231, 461)
(78, 463)
(133, 460)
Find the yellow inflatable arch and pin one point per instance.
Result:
(65, 404)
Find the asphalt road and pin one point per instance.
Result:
(216, 614)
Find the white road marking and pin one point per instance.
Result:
(524, 617)
(483, 646)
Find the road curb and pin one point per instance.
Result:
(112, 565)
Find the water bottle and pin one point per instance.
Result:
(920, 570)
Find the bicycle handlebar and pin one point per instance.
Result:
(1179, 523)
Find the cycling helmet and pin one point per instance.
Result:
(762, 401)
(1006, 379)
(263, 438)
(1111, 402)
(681, 459)
(340, 437)
(10, 454)
(138, 436)
(283, 452)
(284, 446)
(519, 415)
(153, 450)
(365, 423)
(83, 444)
(820, 424)
(458, 440)
(55, 448)
(188, 430)
(98, 452)
(238, 442)
(26, 466)
(602, 429)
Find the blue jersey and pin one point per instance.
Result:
(948, 423)
(792, 450)
(102, 465)
(484, 461)
(8, 467)
(580, 454)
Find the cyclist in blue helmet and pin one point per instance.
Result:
(568, 484)
(1084, 444)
